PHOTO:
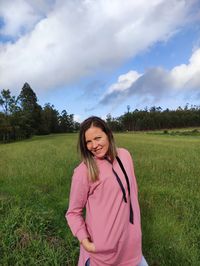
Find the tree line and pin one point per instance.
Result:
(22, 116)
(155, 118)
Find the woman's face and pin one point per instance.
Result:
(97, 141)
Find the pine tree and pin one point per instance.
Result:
(31, 110)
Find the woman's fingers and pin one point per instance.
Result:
(92, 247)
(88, 246)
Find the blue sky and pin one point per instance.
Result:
(96, 57)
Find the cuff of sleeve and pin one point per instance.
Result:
(82, 234)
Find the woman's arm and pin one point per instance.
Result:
(77, 201)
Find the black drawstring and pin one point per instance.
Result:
(128, 185)
(121, 185)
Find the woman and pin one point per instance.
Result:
(105, 184)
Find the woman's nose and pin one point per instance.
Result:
(94, 144)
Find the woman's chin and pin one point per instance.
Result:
(100, 155)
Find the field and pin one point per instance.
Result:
(35, 178)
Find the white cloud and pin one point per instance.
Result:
(124, 81)
(188, 76)
(73, 39)
(156, 83)
(20, 16)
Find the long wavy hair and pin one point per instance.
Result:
(86, 155)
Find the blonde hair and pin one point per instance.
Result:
(86, 155)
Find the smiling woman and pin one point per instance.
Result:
(105, 184)
(97, 142)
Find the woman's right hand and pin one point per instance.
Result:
(88, 245)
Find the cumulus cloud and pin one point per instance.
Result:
(188, 76)
(156, 83)
(59, 42)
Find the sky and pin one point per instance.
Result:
(96, 57)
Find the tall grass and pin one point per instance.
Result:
(35, 178)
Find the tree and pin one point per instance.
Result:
(113, 123)
(66, 122)
(22, 117)
(7, 101)
(50, 120)
(31, 110)
(9, 107)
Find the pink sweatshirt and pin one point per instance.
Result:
(117, 241)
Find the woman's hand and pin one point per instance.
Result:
(88, 245)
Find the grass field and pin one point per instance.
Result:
(35, 178)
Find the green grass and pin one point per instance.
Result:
(35, 178)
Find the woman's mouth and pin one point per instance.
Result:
(98, 150)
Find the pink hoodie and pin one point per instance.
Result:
(117, 241)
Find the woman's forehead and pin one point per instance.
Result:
(93, 131)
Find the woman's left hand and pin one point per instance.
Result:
(88, 245)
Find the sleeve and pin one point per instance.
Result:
(77, 201)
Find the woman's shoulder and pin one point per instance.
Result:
(123, 152)
(81, 172)
(81, 167)
(125, 156)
